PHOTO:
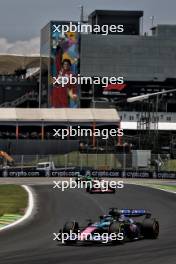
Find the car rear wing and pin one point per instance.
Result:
(134, 212)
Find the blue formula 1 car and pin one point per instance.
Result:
(119, 226)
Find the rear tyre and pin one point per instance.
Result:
(150, 228)
(113, 190)
(88, 189)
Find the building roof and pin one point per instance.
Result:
(117, 13)
(59, 115)
(11, 62)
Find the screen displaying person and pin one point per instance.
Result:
(64, 95)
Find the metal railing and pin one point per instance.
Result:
(20, 100)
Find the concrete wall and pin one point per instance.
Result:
(140, 58)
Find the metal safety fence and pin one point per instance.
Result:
(105, 161)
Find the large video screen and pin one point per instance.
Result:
(64, 65)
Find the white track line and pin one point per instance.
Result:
(28, 211)
(164, 190)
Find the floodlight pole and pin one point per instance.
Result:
(146, 96)
(40, 84)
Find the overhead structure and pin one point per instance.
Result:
(59, 115)
(42, 120)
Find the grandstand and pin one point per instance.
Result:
(21, 125)
(19, 80)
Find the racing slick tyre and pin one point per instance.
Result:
(117, 228)
(88, 189)
(113, 190)
(150, 228)
(77, 180)
(71, 227)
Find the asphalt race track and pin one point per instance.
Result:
(31, 243)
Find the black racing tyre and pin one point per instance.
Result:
(117, 228)
(76, 180)
(88, 189)
(71, 227)
(60, 235)
(150, 228)
(113, 190)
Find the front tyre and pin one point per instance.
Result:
(117, 229)
(71, 227)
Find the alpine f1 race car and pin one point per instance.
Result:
(118, 227)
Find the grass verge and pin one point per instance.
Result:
(13, 199)
(166, 187)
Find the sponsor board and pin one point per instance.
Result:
(94, 173)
